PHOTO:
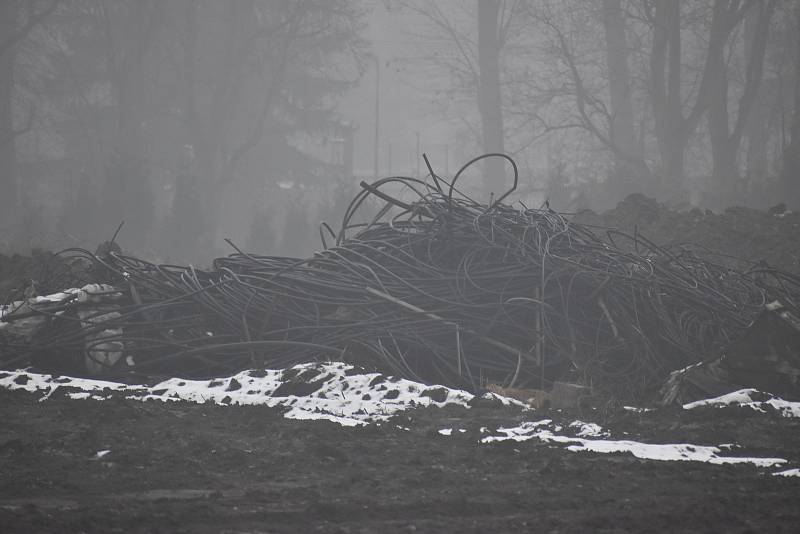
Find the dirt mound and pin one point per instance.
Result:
(40, 273)
(738, 233)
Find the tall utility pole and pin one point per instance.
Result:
(377, 139)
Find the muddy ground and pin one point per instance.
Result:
(180, 467)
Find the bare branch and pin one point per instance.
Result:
(32, 22)
(433, 13)
(581, 95)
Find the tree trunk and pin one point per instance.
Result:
(665, 64)
(759, 127)
(130, 84)
(673, 130)
(630, 170)
(790, 172)
(723, 157)
(762, 116)
(725, 143)
(187, 224)
(129, 197)
(489, 99)
(8, 154)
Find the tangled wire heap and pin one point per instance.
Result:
(438, 288)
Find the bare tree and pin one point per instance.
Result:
(790, 171)
(8, 158)
(589, 84)
(726, 142)
(672, 129)
(764, 116)
(17, 20)
(630, 170)
(130, 30)
(260, 76)
(473, 68)
(674, 125)
(199, 95)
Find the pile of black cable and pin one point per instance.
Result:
(441, 288)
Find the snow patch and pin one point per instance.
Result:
(664, 452)
(330, 391)
(523, 432)
(637, 409)
(746, 398)
(588, 429)
(87, 293)
(788, 473)
(505, 401)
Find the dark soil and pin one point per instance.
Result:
(723, 237)
(41, 273)
(182, 467)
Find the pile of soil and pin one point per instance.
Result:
(16, 272)
(772, 236)
(40, 273)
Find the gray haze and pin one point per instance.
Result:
(197, 120)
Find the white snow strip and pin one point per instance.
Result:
(745, 398)
(663, 452)
(449, 431)
(505, 401)
(87, 293)
(788, 473)
(523, 432)
(83, 395)
(331, 391)
(325, 389)
(735, 397)
(42, 382)
(100, 454)
(637, 409)
(96, 293)
(588, 429)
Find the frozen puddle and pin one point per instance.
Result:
(334, 391)
(545, 429)
(753, 399)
